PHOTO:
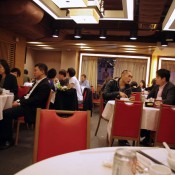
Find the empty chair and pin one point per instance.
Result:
(126, 121)
(136, 96)
(100, 114)
(166, 126)
(56, 135)
(66, 100)
(87, 100)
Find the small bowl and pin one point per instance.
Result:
(171, 161)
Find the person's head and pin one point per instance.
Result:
(134, 84)
(62, 74)
(40, 71)
(142, 84)
(83, 77)
(126, 76)
(162, 76)
(51, 73)
(153, 82)
(16, 72)
(71, 72)
(26, 71)
(4, 67)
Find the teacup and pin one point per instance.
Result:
(157, 169)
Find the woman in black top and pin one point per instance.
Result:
(7, 80)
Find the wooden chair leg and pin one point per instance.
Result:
(17, 132)
(98, 125)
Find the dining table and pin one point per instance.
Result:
(96, 161)
(149, 121)
(6, 101)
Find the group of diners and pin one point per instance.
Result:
(121, 88)
(37, 96)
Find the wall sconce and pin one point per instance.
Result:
(55, 33)
(133, 35)
(164, 43)
(102, 34)
(77, 33)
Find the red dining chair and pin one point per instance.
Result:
(100, 114)
(21, 120)
(23, 90)
(136, 96)
(55, 135)
(166, 126)
(126, 121)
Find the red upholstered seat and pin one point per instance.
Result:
(126, 121)
(166, 126)
(56, 135)
(136, 95)
(23, 90)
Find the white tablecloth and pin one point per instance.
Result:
(87, 162)
(149, 116)
(5, 103)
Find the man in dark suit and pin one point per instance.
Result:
(26, 106)
(163, 88)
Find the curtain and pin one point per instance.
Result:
(169, 65)
(7, 52)
(137, 67)
(89, 68)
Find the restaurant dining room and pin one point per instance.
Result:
(87, 87)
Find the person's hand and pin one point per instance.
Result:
(123, 95)
(132, 98)
(15, 103)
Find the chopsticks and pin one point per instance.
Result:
(152, 159)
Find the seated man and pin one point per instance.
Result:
(26, 106)
(164, 88)
(64, 81)
(117, 89)
(84, 82)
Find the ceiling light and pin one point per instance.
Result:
(133, 35)
(77, 34)
(55, 33)
(51, 8)
(169, 21)
(164, 43)
(102, 34)
(85, 16)
(70, 3)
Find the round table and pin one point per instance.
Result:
(87, 162)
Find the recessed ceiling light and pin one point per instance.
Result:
(80, 44)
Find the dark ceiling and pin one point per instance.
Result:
(26, 18)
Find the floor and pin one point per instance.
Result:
(18, 157)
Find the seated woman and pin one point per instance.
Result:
(153, 82)
(74, 83)
(7, 80)
(142, 85)
(135, 87)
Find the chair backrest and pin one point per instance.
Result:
(127, 119)
(166, 125)
(66, 100)
(87, 99)
(49, 99)
(56, 135)
(23, 90)
(136, 95)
